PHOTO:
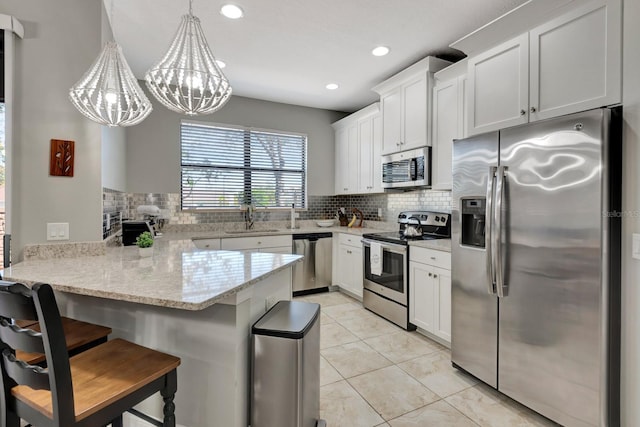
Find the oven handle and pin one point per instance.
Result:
(391, 247)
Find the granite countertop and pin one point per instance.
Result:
(438, 244)
(178, 275)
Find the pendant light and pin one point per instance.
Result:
(109, 93)
(187, 79)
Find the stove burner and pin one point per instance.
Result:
(435, 225)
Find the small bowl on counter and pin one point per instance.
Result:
(325, 222)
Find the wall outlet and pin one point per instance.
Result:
(635, 246)
(57, 231)
(108, 224)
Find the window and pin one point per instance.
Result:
(226, 166)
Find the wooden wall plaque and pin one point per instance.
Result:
(61, 159)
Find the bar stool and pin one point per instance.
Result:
(79, 336)
(93, 388)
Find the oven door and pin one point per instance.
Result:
(392, 283)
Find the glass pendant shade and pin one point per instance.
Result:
(188, 80)
(109, 93)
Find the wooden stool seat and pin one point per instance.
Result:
(79, 336)
(92, 389)
(103, 375)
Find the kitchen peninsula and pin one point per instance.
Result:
(195, 304)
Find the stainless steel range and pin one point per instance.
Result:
(386, 263)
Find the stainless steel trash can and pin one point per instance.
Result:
(286, 366)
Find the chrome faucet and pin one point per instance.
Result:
(248, 217)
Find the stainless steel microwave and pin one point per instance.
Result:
(410, 168)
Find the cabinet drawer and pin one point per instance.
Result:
(350, 240)
(431, 257)
(257, 242)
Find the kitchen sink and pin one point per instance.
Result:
(250, 231)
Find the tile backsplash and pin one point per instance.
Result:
(319, 207)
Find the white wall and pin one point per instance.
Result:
(60, 44)
(631, 224)
(153, 147)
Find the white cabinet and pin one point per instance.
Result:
(349, 267)
(499, 86)
(449, 95)
(576, 61)
(430, 292)
(405, 102)
(358, 147)
(272, 244)
(569, 64)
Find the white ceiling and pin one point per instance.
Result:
(288, 50)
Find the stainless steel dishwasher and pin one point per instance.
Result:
(313, 274)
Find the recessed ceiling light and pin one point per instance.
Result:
(332, 86)
(380, 51)
(221, 64)
(232, 11)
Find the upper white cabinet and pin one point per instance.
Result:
(358, 149)
(405, 102)
(449, 114)
(499, 86)
(576, 61)
(568, 64)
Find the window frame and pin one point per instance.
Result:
(245, 129)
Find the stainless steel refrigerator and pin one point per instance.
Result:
(536, 264)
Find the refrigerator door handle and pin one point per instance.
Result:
(488, 236)
(497, 242)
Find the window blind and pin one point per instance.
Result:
(227, 166)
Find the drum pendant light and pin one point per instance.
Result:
(109, 93)
(187, 79)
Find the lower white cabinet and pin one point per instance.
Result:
(430, 292)
(349, 267)
(272, 244)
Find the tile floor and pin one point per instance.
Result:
(373, 373)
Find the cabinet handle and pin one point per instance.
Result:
(523, 112)
(435, 275)
(532, 109)
(433, 258)
(430, 274)
(259, 243)
(348, 252)
(397, 144)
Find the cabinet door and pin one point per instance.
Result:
(499, 86)
(576, 61)
(442, 315)
(463, 99)
(365, 136)
(343, 272)
(391, 105)
(350, 274)
(341, 162)
(421, 298)
(353, 162)
(377, 153)
(356, 266)
(445, 130)
(414, 114)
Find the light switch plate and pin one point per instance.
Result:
(57, 231)
(635, 245)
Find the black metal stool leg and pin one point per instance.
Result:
(117, 422)
(168, 393)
